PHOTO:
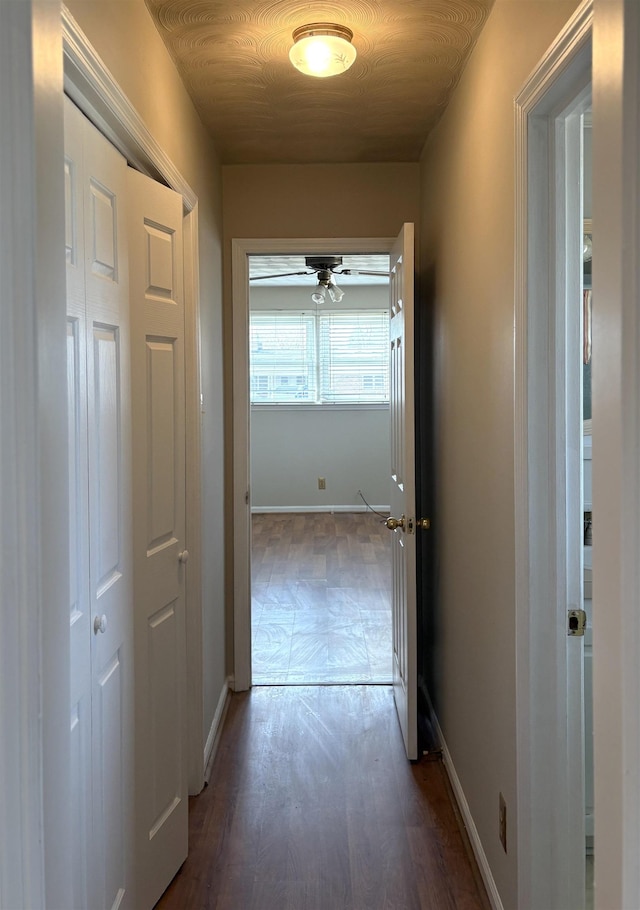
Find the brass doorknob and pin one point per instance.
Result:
(424, 523)
(393, 523)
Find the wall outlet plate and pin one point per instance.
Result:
(322, 483)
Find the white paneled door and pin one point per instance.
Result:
(160, 557)
(402, 496)
(125, 344)
(101, 601)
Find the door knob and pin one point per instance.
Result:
(424, 523)
(393, 523)
(100, 624)
(183, 556)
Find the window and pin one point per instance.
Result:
(319, 358)
(282, 346)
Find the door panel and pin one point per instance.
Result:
(157, 325)
(100, 509)
(402, 496)
(164, 688)
(80, 761)
(107, 298)
(103, 232)
(161, 462)
(109, 770)
(107, 474)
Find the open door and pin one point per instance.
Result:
(402, 495)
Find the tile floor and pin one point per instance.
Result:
(321, 602)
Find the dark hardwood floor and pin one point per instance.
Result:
(312, 805)
(321, 598)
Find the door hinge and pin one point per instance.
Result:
(576, 622)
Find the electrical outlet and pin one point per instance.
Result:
(502, 822)
(322, 483)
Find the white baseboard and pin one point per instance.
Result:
(257, 510)
(470, 825)
(213, 738)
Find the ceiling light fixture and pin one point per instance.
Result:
(326, 285)
(322, 49)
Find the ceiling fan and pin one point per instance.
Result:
(325, 267)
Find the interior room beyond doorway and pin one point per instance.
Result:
(321, 598)
(320, 557)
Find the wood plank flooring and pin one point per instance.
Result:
(312, 805)
(321, 598)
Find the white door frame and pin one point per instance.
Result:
(550, 775)
(616, 450)
(22, 880)
(241, 250)
(91, 86)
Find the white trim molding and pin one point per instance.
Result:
(21, 797)
(470, 825)
(544, 395)
(93, 89)
(616, 450)
(241, 249)
(215, 732)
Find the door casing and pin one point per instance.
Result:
(34, 798)
(547, 436)
(241, 250)
(616, 450)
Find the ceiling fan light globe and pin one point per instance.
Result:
(318, 294)
(335, 293)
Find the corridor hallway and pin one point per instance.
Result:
(312, 805)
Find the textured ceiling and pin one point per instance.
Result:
(234, 58)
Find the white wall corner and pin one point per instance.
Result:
(215, 731)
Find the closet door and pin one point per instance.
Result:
(99, 432)
(160, 558)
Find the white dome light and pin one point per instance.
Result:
(322, 49)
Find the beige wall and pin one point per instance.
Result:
(318, 200)
(323, 200)
(467, 249)
(124, 36)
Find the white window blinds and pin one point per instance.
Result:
(354, 355)
(319, 358)
(283, 356)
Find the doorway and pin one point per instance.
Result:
(319, 461)
(550, 550)
(241, 251)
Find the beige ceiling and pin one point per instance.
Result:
(234, 58)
